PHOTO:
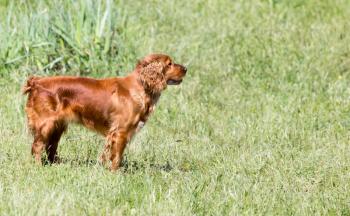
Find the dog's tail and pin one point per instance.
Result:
(29, 85)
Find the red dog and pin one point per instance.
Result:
(114, 107)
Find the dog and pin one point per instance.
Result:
(114, 107)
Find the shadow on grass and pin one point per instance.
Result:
(127, 166)
(133, 166)
(71, 161)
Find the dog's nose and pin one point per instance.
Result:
(185, 69)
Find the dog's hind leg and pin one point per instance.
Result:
(37, 147)
(53, 139)
(42, 136)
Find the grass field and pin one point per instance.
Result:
(260, 125)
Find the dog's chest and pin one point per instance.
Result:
(148, 108)
(144, 117)
(140, 126)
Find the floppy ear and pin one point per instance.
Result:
(152, 76)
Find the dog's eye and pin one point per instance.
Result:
(169, 64)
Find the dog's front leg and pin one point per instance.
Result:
(117, 141)
(106, 152)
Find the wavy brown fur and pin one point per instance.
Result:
(114, 107)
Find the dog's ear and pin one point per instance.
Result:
(152, 76)
(140, 64)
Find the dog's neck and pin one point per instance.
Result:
(147, 100)
(141, 87)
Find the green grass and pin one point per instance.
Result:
(260, 126)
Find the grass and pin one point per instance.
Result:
(260, 126)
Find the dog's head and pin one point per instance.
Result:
(156, 71)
